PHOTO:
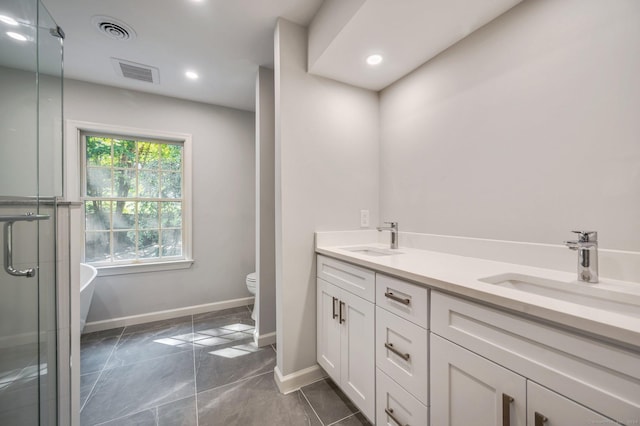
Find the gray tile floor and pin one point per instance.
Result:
(201, 370)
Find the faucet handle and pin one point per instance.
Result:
(587, 236)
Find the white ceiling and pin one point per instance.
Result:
(223, 40)
(407, 33)
(226, 40)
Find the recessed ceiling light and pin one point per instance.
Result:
(16, 36)
(8, 20)
(192, 75)
(374, 59)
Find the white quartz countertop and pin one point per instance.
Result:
(461, 275)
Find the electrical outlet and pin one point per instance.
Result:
(364, 218)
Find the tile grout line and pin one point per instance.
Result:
(237, 381)
(195, 375)
(312, 409)
(344, 418)
(126, 415)
(101, 370)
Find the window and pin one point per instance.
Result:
(134, 200)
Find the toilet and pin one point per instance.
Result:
(251, 286)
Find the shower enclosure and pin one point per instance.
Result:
(31, 375)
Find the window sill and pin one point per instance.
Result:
(136, 268)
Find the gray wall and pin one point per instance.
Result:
(223, 199)
(265, 204)
(523, 131)
(326, 171)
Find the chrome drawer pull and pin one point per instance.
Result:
(397, 352)
(389, 412)
(333, 313)
(392, 296)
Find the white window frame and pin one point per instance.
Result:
(72, 187)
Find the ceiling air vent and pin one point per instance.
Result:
(136, 71)
(113, 28)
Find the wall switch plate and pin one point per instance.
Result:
(364, 218)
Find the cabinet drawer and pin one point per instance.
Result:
(354, 279)
(392, 400)
(401, 352)
(603, 377)
(406, 300)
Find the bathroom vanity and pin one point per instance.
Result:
(416, 337)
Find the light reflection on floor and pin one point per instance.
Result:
(216, 337)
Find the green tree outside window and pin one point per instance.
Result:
(133, 199)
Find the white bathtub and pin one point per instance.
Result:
(87, 285)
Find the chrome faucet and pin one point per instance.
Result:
(587, 247)
(393, 227)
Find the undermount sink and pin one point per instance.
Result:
(615, 297)
(373, 251)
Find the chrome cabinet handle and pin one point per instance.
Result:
(8, 242)
(506, 409)
(392, 296)
(333, 307)
(342, 319)
(389, 412)
(397, 352)
(540, 419)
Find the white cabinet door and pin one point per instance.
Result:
(358, 359)
(467, 389)
(547, 408)
(345, 339)
(328, 328)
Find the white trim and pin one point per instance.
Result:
(73, 172)
(294, 381)
(136, 268)
(264, 339)
(168, 314)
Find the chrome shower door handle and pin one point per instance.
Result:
(8, 242)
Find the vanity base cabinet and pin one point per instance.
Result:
(345, 343)
(467, 389)
(595, 374)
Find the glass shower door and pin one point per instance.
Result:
(30, 154)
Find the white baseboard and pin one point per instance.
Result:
(264, 339)
(163, 315)
(294, 381)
